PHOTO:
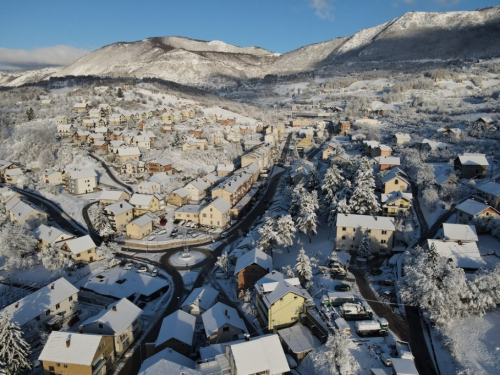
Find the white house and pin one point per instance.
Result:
(197, 189)
(222, 324)
(199, 301)
(80, 181)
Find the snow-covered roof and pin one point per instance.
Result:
(81, 350)
(178, 325)
(128, 151)
(198, 184)
(392, 160)
(112, 195)
(402, 136)
(299, 338)
(280, 289)
(80, 173)
(392, 175)
(219, 315)
(203, 297)
(491, 188)
(181, 192)
(442, 178)
(48, 233)
(189, 208)
(464, 254)
(118, 316)
(141, 199)
(37, 303)
(433, 145)
(234, 183)
(394, 196)
(119, 207)
(142, 220)
(162, 161)
(365, 221)
(168, 361)
(262, 355)
(14, 172)
(80, 244)
(23, 209)
(404, 366)
(130, 282)
(210, 178)
(472, 207)
(473, 159)
(220, 204)
(254, 256)
(459, 232)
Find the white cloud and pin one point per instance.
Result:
(40, 57)
(323, 8)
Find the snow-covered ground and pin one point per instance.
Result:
(188, 259)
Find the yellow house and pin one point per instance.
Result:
(216, 213)
(305, 143)
(280, 301)
(125, 153)
(395, 181)
(72, 353)
(139, 228)
(351, 229)
(146, 203)
(188, 212)
(394, 202)
(21, 212)
(48, 235)
(119, 214)
(81, 249)
(108, 197)
(167, 117)
(178, 197)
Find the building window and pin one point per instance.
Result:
(78, 255)
(383, 241)
(47, 312)
(384, 232)
(58, 365)
(354, 229)
(343, 237)
(65, 365)
(71, 298)
(343, 228)
(89, 251)
(396, 182)
(369, 230)
(57, 306)
(101, 325)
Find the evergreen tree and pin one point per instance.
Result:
(16, 245)
(364, 200)
(285, 230)
(51, 259)
(268, 235)
(332, 183)
(108, 250)
(313, 180)
(308, 220)
(303, 266)
(364, 249)
(223, 262)
(101, 224)
(295, 200)
(30, 114)
(119, 92)
(14, 350)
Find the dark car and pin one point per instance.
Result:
(74, 319)
(386, 283)
(376, 271)
(342, 288)
(163, 222)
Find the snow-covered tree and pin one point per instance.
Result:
(17, 246)
(51, 259)
(285, 230)
(404, 234)
(313, 180)
(343, 207)
(339, 356)
(308, 220)
(223, 262)
(332, 183)
(484, 291)
(303, 266)
(108, 250)
(101, 223)
(431, 198)
(268, 235)
(364, 249)
(425, 175)
(295, 201)
(4, 215)
(14, 350)
(363, 200)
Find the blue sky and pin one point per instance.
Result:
(35, 32)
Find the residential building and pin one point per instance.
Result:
(490, 191)
(458, 232)
(125, 153)
(401, 138)
(471, 211)
(6, 166)
(216, 213)
(298, 341)
(351, 229)
(197, 189)
(342, 128)
(142, 141)
(464, 255)
(20, 212)
(132, 168)
(471, 165)
(65, 130)
(120, 320)
(108, 197)
(210, 178)
(81, 107)
(49, 236)
(159, 165)
(224, 169)
(68, 353)
(188, 212)
(251, 267)
(234, 188)
(199, 301)
(387, 162)
(168, 361)
(47, 308)
(262, 156)
(176, 332)
(11, 176)
(380, 150)
(146, 203)
(81, 249)
(80, 181)
(395, 180)
(62, 120)
(117, 119)
(140, 227)
(222, 324)
(395, 202)
(119, 215)
(149, 187)
(178, 197)
(193, 144)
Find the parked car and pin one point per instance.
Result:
(152, 237)
(129, 266)
(175, 230)
(154, 272)
(343, 287)
(376, 271)
(75, 318)
(163, 222)
(182, 222)
(142, 269)
(163, 231)
(386, 283)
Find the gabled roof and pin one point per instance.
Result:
(80, 244)
(118, 316)
(23, 209)
(472, 207)
(128, 151)
(112, 195)
(80, 173)
(37, 303)
(365, 221)
(281, 289)
(459, 232)
(392, 160)
(394, 196)
(254, 256)
(181, 192)
(119, 207)
(198, 184)
(141, 199)
(142, 220)
(168, 361)
(219, 315)
(473, 159)
(220, 204)
(204, 297)
(464, 254)
(442, 178)
(81, 351)
(490, 188)
(48, 233)
(262, 355)
(178, 325)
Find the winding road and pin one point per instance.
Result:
(110, 173)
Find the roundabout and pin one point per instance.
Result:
(186, 258)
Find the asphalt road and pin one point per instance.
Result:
(110, 173)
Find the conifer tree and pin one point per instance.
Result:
(14, 350)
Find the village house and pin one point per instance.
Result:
(48, 235)
(477, 213)
(94, 137)
(380, 150)
(210, 178)
(443, 181)
(234, 188)
(329, 150)
(146, 203)
(47, 308)
(224, 169)
(395, 202)
(81, 107)
(11, 176)
(140, 227)
(387, 162)
(471, 165)
(490, 191)
(222, 324)
(280, 301)
(342, 128)
(132, 168)
(65, 130)
(80, 181)
(463, 254)
(197, 132)
(119, 215)
(80, 136)
(199, 301)
(301, 169)
(62, 120)
(395, 180)
(112, 196)
(159, 165)
(125, 153)
(193, 144)
(351, 229)
(176, 332)
(63, 354)
(357, 136)
(216, 213)
(401, 138)
(20, 212)
(117, 119)
(449, 132)
(251, 144)
(7, 194)
(149, 187)
(430, 145)
(197, 189)
(262, 156)
(179, 197)
(4, 167)
(168, 361)
(251, 267)
(142, 141)
(188, 212)
(120, 320)
(81, 249)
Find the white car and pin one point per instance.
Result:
(129, 266)
(163, 231)
(142, 269)
(152, 237)
(154, 272)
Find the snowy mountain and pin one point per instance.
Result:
(415, 37)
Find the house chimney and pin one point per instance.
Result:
(105, 306)
(114, 308)
(68, 341)
(121, 205)
(80, 329)
(52, 286)
(17, 305)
